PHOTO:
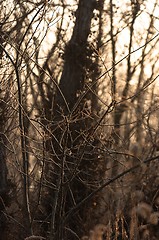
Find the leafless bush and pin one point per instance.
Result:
(79, 120)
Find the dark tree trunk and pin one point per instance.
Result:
(67, 134)
(72, 79)
(3, 172)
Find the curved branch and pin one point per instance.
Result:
(76, 208)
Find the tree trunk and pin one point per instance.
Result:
(72, 79)
(3, 172)
(71, 86)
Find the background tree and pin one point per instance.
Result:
(79, 111)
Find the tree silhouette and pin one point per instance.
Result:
(79, 119)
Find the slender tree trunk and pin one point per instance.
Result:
(3, 171)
